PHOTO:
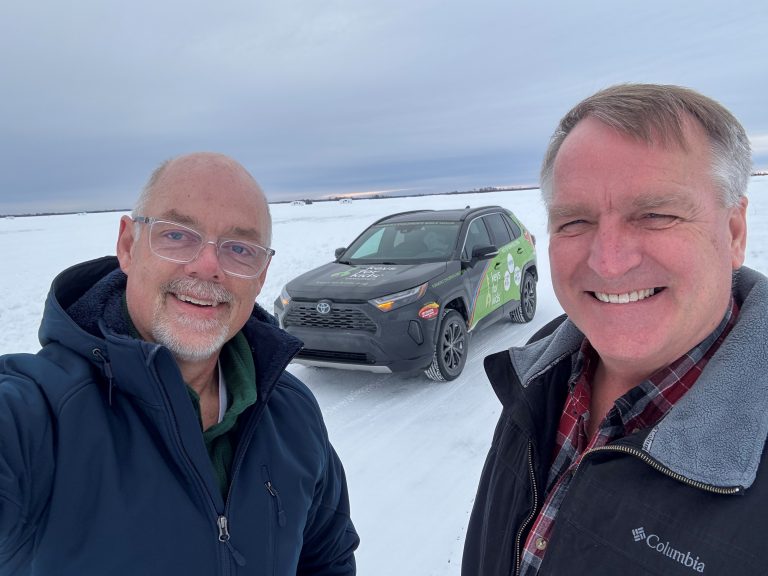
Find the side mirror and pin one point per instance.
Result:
(339, 252)
(484, 253)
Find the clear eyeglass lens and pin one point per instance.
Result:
(242, 257)
(179, 243)
(174, 241)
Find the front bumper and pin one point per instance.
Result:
(357, 335)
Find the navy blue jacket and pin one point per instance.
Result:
(103, 468)
(687, 496)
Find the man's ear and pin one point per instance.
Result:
(125, 240)
(737, 224)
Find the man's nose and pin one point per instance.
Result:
(206, 265)
(615, 249)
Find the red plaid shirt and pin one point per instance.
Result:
(640, 408)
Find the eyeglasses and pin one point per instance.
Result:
(178, 243)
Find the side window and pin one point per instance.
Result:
(513, 227)
(499, 229)
(477, 235)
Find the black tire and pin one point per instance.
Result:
(527, 308)
(451, 348)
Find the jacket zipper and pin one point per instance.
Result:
(224, 518)
(245, 438)
(534, 510)
(222, 523)
(242, 446)
(107, 369)
(273, 526)
(661, 468)
(278, 505)
(612, 448)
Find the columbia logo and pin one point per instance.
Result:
(663, 547)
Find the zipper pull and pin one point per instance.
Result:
(223, 525)
(107, 369)
(280, 512)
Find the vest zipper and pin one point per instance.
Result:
(643, 456)
(534, 510)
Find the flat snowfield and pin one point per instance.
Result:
(412, 449)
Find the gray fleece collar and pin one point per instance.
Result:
(715, 434)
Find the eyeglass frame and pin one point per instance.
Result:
(203, 242)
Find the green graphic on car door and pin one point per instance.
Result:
(500, 281)
(496, 286)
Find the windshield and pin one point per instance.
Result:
(404, 242)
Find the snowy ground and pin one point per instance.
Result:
(413, 449)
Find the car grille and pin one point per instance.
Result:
(355, 357)
(340, 318)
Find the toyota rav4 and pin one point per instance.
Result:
(408, 292)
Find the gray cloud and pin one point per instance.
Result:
(338, 96)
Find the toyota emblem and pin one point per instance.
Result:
(323, 307)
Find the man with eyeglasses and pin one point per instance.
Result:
(157, 432)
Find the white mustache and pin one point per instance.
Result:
(199, 289)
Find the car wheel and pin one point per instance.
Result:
(450, 348)
(527, 308)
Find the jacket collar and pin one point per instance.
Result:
(715, 434)
(82, 314)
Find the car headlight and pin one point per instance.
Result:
(398, 299)
(285, 298)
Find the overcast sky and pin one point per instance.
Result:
(320, 97)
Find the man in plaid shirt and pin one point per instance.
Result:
(632, 431)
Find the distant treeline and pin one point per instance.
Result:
(333, 198)
(64, 213)
(386, 195)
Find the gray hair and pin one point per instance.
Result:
(655, 114)
(141, 202)
(146, 193)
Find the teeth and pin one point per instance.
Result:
(185, 298)
(626, 297)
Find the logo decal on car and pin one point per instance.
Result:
(430, 310)
(323, 307)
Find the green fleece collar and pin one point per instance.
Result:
(239, 372)
(239, 375)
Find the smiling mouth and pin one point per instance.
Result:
(626, 297)
(196, 301)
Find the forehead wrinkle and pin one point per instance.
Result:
(249, 233)
(645, 201)
(653, 201)
(233, 231)
(177, 216)
(568, 210)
